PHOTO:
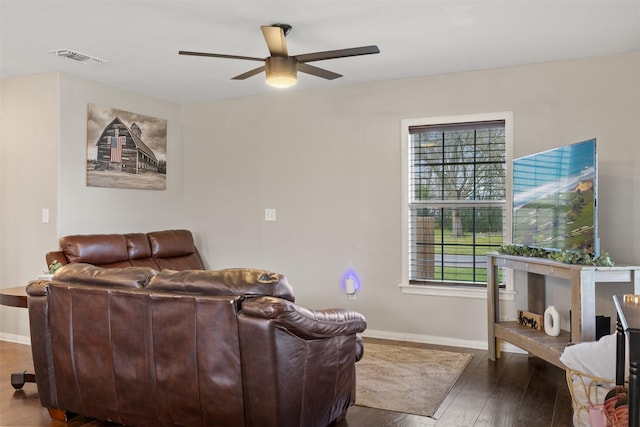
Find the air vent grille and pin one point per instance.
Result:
(77, 56)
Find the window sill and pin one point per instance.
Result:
(455, 291)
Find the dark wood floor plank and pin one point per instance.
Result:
(514, 390)
(513, 381)
(498, 413)
(563, 413)
(464, 410)
(359, 416)
(539, 400)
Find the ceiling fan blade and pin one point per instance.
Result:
(219, 55)
(274, 36)
(249, 73)
(319, 72)
(340, 53)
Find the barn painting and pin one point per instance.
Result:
(125, 150)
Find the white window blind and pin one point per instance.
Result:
(456, 206)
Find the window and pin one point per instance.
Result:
(455, 197)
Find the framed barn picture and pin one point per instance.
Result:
(125, 150)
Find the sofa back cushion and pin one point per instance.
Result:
(232, 281)
(88, 274)
(174, 250)
(105, 250)
(171, 249)
(139, 250)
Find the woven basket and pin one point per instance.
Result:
(588, 392)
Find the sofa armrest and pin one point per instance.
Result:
(52, 256)
(298, 364)
(41, 348)
(37, 288)
(303, 322)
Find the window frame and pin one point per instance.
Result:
(443, 288)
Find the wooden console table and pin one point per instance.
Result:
(17, 297)
(582, 280)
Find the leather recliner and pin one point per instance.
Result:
(190, 348)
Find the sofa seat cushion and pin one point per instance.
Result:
(231, 281)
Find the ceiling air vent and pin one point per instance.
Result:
(77, 56)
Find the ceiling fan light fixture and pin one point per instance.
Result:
(281, 71)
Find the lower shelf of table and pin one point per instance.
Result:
(533, 341)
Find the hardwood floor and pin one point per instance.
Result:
(516, 390)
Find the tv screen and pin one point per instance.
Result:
(555, 199)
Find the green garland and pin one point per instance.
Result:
(580, 257)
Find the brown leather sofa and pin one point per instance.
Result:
(172, 249)
(144, 347)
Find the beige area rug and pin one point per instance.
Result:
(407, 379)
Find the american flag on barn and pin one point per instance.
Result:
(117, 142)
(121, 148)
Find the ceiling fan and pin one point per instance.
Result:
(280, 68)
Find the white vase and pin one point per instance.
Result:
(552, 321)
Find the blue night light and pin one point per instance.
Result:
(350, 281)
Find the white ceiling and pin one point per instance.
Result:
(140, 39)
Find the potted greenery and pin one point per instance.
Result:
(53, 267)
(580, 257)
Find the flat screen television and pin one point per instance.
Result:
(555, 199)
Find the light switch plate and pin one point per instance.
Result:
(269, 214)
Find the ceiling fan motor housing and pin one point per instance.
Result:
(286, 28)
(281, 70)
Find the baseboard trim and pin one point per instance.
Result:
(18, 339)
(385, 335)
(510, 348)
(438, 340)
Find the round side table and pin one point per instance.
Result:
(17, 297)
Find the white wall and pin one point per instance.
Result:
(329, 162)
(44, 154)
(85, 209)
(29, 136)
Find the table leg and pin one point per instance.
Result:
(620, 353)
(586, 300)
(492, 309)
(634, 378)
(18, 379)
